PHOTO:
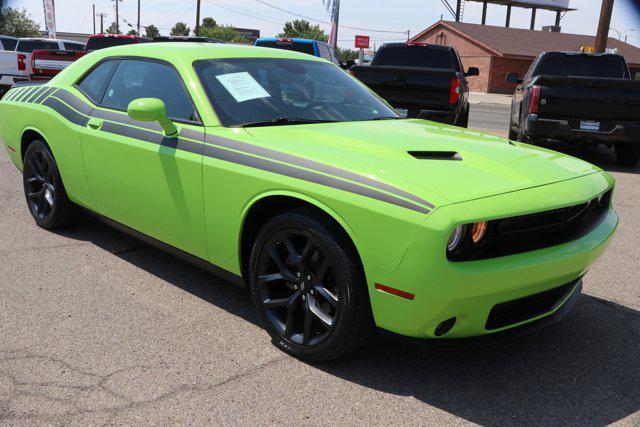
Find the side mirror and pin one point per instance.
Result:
(472, 71)
(152, 110)
(513, 78)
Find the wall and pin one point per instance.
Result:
(499, 70)
(470, 53)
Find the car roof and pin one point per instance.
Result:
(8, 37)
(41, 39)
(188, 52)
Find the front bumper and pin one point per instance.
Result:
(469, 291)
(569, 130)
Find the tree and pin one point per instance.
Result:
(180, 29)
(112, 29)
(132, 32)
(303, 29)
(209, 23)
(151, 31)
(347, 54)
(225, 33)
(17, 23)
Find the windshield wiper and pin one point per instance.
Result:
(283, 121)
(387, 118)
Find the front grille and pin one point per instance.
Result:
(518, 310)
(508, 236)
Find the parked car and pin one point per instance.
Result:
(281, 171)
(315, 48)
(420, 80)
(46, 64)
(186, 39)
(16, 65)
(102, 41)
(580, 98)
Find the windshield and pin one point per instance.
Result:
(288, 45)
(582, 66)
(414, 56)
(245, 91)
(28, 46)
(96, 43)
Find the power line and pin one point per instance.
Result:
(243, 13)
(327, 22)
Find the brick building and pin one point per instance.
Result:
(497, 51)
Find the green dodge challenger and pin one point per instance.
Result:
(280, 170)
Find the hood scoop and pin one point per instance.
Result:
(436, 155)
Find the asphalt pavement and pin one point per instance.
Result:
(97, 328)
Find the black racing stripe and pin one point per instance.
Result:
(35, 94)
(125, 119)
(73, 101)
(155, 138)
(16, 94)
(65, 111)
(46, 93)
(9, 95)
(310, 164)
(255, 162)
(24, 94)
(293, 172)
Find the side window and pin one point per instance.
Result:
(324, 52)
(73, 46)
(93, 84)
(135, 79)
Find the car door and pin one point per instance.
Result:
(136, 175)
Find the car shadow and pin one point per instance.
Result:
(600, 155)
(583, 370)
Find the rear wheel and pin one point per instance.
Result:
(513, 135)
(45, 194)
(628, 153)
(308, 287)
(463, 120)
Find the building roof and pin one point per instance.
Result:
(516, 42)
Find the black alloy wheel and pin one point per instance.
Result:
(44, 192)
(308, 287)
(298, 287)
(39, 186)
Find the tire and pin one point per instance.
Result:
(463, 120)
(314, 303)
(513, 136)
(520, 137)
(44, 192)
(627, 153)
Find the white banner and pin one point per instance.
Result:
(545, 3)
(333, 7)
(50, 17)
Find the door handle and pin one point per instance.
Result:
(95, 123)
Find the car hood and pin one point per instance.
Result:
(440, 163)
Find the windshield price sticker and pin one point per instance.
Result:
(242, 86)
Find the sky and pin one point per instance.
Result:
(394, 16)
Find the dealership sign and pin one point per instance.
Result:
(362, 42)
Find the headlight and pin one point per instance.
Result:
(456, 238)
(478, 231)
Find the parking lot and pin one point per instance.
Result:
(98, 328)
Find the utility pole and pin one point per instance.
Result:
(117, 17)
(138, 17)
(196, 30)
(101, 16)
(603, 25)
(458, 7)
(94, 19)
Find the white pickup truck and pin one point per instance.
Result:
(15, 65)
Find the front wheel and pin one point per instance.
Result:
(308, 287)
(627, 154)
(45, 194)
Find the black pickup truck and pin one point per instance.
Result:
(580, 98)
(420, 80)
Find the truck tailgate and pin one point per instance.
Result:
(48, 63)
(589, 98)
(408, 87)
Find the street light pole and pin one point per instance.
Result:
(94, 19)
(138, 17)
(603, 25)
